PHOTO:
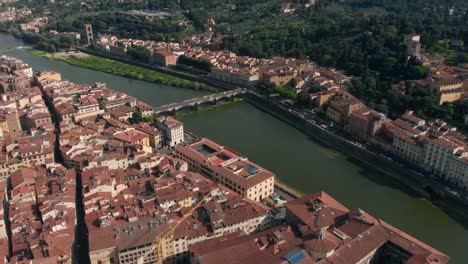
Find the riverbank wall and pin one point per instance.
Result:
(287, 189)
(406, 179)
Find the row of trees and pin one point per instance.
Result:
(138, 53)
(203, 65)
(42, 42)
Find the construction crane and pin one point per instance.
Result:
(157, 240)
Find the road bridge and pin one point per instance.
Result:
(193, 103)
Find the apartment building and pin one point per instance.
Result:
(323, 97)
(133, 136)
(279, 76)
(273, 246)
(342, 106)
(225, 213)
(365, 123)
(163, 57)
(173, 130)
(241, 77)
(86, 106)
(155, 135)
(135, 241)
(10, 122)
(434, 146)
(457, 169)
(228, 168)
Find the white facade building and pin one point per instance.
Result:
(172, 129)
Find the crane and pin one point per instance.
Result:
(157, 240)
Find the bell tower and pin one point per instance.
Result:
(89, 33)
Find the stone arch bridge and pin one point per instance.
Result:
(193, 103)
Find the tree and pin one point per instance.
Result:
(202, 65)
(150, 118)
(303, 98)
(138, 53)
(285, 92)
(417, 72)
(66, 41)
(137, 117)
(327, 60)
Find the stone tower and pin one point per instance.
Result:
(89, 33)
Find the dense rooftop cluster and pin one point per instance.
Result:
(133, 189)
(35, 24)
(42, 213)
(13, 14)
(229, 67)
(319, 230)
(26, 125)
(151, 193)
(38, 194)
(15, 74)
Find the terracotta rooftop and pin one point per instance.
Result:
(353, 234)
(169, 122)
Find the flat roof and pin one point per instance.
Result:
(225, 161)
(204, 149)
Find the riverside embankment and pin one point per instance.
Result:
(414, 182)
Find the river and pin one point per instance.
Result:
(297, 160)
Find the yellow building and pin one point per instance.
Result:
(48, 75)
(133, 136)
(10, 123)
(324, 97)
(449, 90)
(278, 77)
(342, 107)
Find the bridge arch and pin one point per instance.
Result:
(194, 103)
